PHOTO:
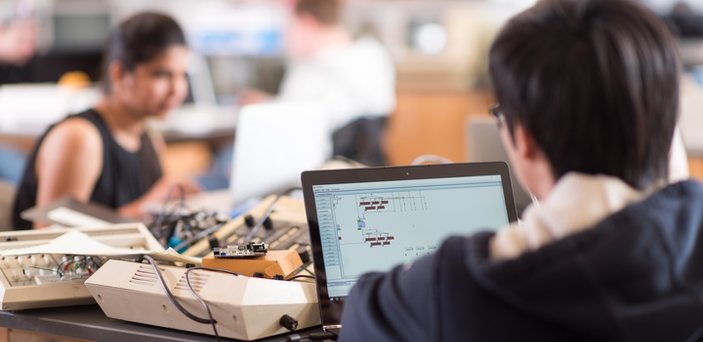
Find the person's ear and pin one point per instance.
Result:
(525, 146)
(531, 166)
(119, 77)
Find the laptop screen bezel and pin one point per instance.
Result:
(330, 311)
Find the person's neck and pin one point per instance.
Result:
(119, 118)
(333, 36)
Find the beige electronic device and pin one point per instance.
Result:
(49, 280)
(289, 229)
(244, 308)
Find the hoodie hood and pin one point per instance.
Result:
(576, 203)
(618, 280)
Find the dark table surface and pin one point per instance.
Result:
(90, 323)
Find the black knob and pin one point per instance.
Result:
(268, 224)
(288, 322)
(249, 221)
(214, 242)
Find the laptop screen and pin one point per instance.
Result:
(373, 219)
(270, 151)
(374, 226)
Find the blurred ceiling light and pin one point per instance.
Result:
(430, 38)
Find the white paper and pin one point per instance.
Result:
(74, 242)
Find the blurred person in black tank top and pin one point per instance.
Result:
(106, 155)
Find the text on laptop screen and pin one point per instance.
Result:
(374, 226)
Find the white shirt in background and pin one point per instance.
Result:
(354, 81)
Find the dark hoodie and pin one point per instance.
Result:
(635, 276)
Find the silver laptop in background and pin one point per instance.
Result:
(484, 145)
(273, 144)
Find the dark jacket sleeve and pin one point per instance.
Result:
(392, 306)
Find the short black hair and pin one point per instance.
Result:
(595, 83)
(326, 12)
(139, 39)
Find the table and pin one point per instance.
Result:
(88, 322)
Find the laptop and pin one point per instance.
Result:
(484, 145)
(371, 219)
(273, 144)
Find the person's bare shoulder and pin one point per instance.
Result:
(71, 152)
(75, 135)
(69, 161)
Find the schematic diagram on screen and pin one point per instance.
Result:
(377, 216)
(375, 226)
(395, 202)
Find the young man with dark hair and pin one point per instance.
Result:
(355, 78)
(588, 101)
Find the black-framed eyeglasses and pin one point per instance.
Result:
(497, 112)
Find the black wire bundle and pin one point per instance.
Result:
(180, 221)
(161, 231)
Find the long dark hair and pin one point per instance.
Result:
(139, 39)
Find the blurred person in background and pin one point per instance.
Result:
(685, 22)
(356, 78)
(18, 40)
(105, 155)
(18, 44)
(353, 78)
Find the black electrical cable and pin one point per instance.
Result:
(200, 299)
(61, 265)
(199, 236)
(169, 195)
(300, 276)
(315, 336)
(163, 214)
(170, 295)
(210, 320)
(326, 335)
(267, 213)
(212, 269)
